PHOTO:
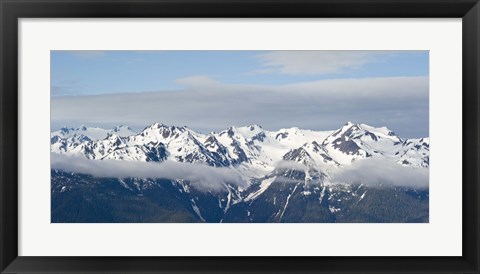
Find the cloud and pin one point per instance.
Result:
(197, 81)
(201, 177)
(369, 171)
(400, 103)
(375, 172)
(317, 62)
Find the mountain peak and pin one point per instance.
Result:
(254, 127)
(120, 127)
(241, 144)
(351, 130)
(160, 131)
(66, 129)
(163, 126)
(112, 136)
(156, 125)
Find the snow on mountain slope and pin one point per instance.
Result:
(415, 152)
(59, 144)
(311, 154)
(156, 133)
(93, 133)
(68, 139)
(184, 145)
(258, 151)
(358, 141)
(253, 151)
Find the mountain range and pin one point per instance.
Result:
(357, 173)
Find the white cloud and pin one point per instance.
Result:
(197, 81)
(369, 171)
(374, 172)
(317, 62)
(201, 177)
(401, 103)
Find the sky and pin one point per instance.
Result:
(212, 90)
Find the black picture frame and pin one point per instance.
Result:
(12, 10)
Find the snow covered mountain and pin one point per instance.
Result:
(66, 139)
(286, 170)
(93, 133)
(249, 148)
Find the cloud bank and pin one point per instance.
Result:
(205, 105)
(369, 171)
(375, 172)
(201, 177)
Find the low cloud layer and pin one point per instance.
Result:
(376, 172)
(400, 103)
(201, 177)
(371, 172)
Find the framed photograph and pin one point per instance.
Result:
(226, 136)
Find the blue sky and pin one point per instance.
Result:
(101, 72)
(388, 77)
